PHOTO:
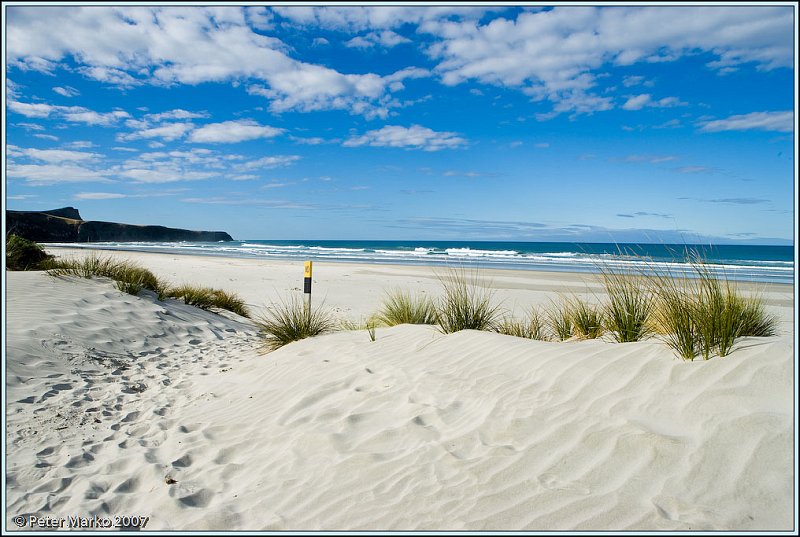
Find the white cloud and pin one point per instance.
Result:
(73, 114)
(50, 155)
(229, 132)
(637, 102)
(109, 75)
(30, 126)
(79, 144)
(259, 18)
(197, 164)
(39, 110)
(164, 174)
(384, 38)
(98, 196)
(763, 121)
(185, 45)
(46, 137)
(413, 137)
(557, 54)
(166, 131)
(629, 81)
(277, 161)
(359, 18)
(176, 114)
(51, 174)
(68, 91)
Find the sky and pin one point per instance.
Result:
(512, 123)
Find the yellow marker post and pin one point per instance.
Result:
(307, 285)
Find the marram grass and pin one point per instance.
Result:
(207, 298)
(705, 315)
(466, 303)
(559, 317)
(22, 254)
(128, 276)
(532, 327)
(400, 307)
(628, 305)
(290, 321)
(587, 319)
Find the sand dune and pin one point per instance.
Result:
(125, 405)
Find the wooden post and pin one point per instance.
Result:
(307, 286)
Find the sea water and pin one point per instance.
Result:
(757, 263)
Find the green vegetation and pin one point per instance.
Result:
(587, 319)
(22, 254)
(466, 304)
(707, 314)
(292, 321)
(131, 278)
(755, 321)
(628, 307)
(207, 298)
(559, 317)
(703, 315)
(403, 308)
(128, 276)
(673, 317)
(531, 328)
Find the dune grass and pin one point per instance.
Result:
(628, 306)
(532, 327)
(707, 314)
(207, 298)
(290, 321)
(128, 276)
(587, 319)
(131, 278)
(400, 307)
(673, 316)
(466, 303)
(22, 254)
(559, 318)
(755, 321)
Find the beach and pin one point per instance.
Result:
(121, 405)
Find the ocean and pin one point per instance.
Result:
(756, 263)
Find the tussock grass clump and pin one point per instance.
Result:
(629, 305)
(207, 298)
(533, 327)
(707, 314)
(292, 321)
(22, 254)
(128, 276)
(466, 304)
(673, 317)
(587, 319)
(400, 307)
(756, 321)
(559, 317)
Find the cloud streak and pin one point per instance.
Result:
(413, 137)
(762, 121)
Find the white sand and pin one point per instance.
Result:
(108, 395)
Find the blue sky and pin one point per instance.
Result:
(604, 123)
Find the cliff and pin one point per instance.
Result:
(66, 225)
